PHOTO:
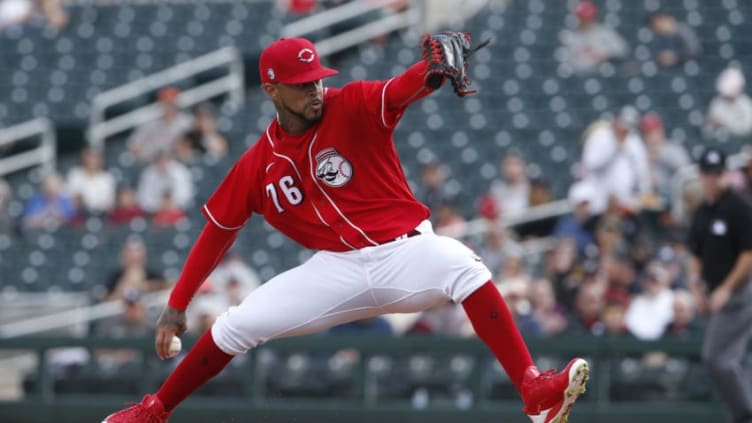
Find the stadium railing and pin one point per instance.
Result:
(386, 24)
(249, 402)
(232, 83)
(43, 154)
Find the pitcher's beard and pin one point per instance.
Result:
(301, 115)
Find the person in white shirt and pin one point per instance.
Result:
(163, 134)
(615, 163)
(165, 175)
(91, 183)
(730, 112)
(651, 311)
(512, 192)
(666, 157)
(234, 278)
(590, 44)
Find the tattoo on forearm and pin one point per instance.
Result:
(172, 317)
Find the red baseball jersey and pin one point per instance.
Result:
(339, 186)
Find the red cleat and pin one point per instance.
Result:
(149, 410)
(549, 396)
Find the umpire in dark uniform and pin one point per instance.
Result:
(720, 240)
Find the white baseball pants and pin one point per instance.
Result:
(403, 276)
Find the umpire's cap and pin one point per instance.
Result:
(712, 160)
(292, 61)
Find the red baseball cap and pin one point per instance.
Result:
(586, 10)
(292, 61)
(650, 121)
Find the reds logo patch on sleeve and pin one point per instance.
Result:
(333, 169)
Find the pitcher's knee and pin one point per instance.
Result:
(233, 338)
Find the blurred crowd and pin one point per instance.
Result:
(161, 192)
(616, 264)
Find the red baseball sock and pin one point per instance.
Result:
(494, 324)
(204, 361)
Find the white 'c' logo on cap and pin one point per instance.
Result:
(270, 73)
(306, 55)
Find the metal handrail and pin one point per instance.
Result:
(232, 83)
(332, 16)
(75, 316)
(355, 36)
(368, 31)
(45, 154)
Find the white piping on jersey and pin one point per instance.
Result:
(383, 101)
(227, 228)
(295, 168)
(313, 176)
(269, 137)
(346, 243)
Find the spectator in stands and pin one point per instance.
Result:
(126, 206)
(615, 163)
(673, 42)
(609, 237)
(50, 208)
(297, 8)
(512, 191)
(165, 175)
(6, 221)
(513, 270)
(517, 295)
(589, 45)
(550, 315)
(168, 214)
(94, 185)
(586, 316)
(433, 191)
(618, 274)
(132, 323)
(612, 317)
(54, 14)
(498, 245)
(204, 138)
(15, 12)
(665, 157)
(730, 112)
(565, 271)
(652, 310)
(203, 312)
(689, 198)
(133, 274)
(540, 194)
(235, 278)
(449, 222)
(577, 224)
(163, 134)
(686, 323)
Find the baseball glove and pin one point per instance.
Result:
(446, 54)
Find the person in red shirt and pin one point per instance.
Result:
(326, 174)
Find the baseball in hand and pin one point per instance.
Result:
(175, 347)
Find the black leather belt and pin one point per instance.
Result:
(410, 234)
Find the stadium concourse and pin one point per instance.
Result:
(508, 171)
